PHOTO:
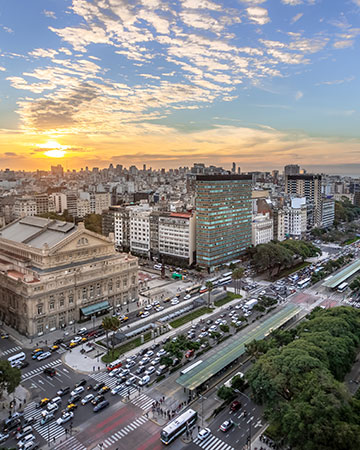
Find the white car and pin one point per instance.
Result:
(145, 314)
(52, 407)
(148, 308)
(76, 339)
(117, 389)
(175, 301)
(43, 356)
(28, 438)
(187, 297)
(130, 381)
(150, 370)
(144, 361)
(159, 308)
(213, 328)
(149, 353)
(78, 390)
(65, 417)
(203, 434)
(114, 372)
(130, 364)
(161, 352)
(87, 399)
(144, 380)
(156, 361)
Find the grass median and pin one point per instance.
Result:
(111, 355)
(229, 298)
(191, 316)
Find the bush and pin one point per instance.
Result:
(226, 393)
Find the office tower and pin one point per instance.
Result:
(291, 169)
(233, 170)
(223, 211)
(239, 170)
(308, 186)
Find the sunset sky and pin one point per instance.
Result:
(171, 82)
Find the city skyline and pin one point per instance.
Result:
(258, 82)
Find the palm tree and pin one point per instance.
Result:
(237, 274)
(209, 287)
(110, 324)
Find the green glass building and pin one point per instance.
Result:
(223, 218)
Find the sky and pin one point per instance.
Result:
(167, 83)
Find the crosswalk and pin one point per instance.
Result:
(61, 350)
(71, 443)
(212, 443)
(34, 372)
(143, 401)
(49, 431)
(10, 350)
(124, 431)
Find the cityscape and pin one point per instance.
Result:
(179, 225)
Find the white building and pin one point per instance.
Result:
(262, 229)
(25, 206)
(102, 202)
(295, 220)
(60, 202)
(177, 236)
(82, 207)
(328, 212)
(139, 229)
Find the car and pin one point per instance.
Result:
(76, 339)
(87, 399)
(4, 335)
(209, 322)
(101, 406)
(99, 386)
(71, 407)
(47, 418)
(148, 308)
(203, 434)
(82, 382)
(144, 361)
(35, 355)
(49, 371)
(37, 350)
(99, 398)
(77, 390)
(25, 440)
(53, 348)
(22, 364)
(74, 398)
(63, 391)
(225, 426)
(43, 356)
(213, 328)
(130, 381)
(103, 390)
(58, 341)
(117, 389)
(161, 352)
(130, 364)
(124, 373)
(150, 370)
(144, 380)
(73, 344)
(189, 353)
(43, 402)
(149, 353)
(28, 421)
(145, 314)
(56, 400)
(115, 372)
(159, 308)
(65, 418)
(155, 361)
(24, 432)
(175, 301)
(4, 437)
(235, 405)
(82, 331)
(187, 297)
(32, 445)
(52, 407)
(140, 370)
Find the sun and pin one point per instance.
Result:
(53, 149)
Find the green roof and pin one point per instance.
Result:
(230, 352)
(93, 309)
(343, 275)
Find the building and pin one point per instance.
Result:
(177, 237)
(102, 202)
(53, 273)
(295, 219)
(223, 218)
(82, 207)
(71, 203)
(328, 212)
(308, 186)
(291, 169)
(25, 206)
(279, 224)
(57, 171)
(262, 229)
(139, 228)
(59, 201)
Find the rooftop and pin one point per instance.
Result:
(343, 275)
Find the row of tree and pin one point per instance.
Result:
(298, 378)
(345, 211)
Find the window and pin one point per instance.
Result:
(110, 286)
(52, 305)
(71, 298)
(98, 289)
(61, 302)
(40, 328)
(84, 293)
(52, 322)
(40, 309)
(91, 291)
(125, 282)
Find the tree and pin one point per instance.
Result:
(238, 382)
(224, 328)
(237, 274)
(110, 323)
(10, 377)
(225, 393)
(166, 360)
(92, 222)
(209, 287)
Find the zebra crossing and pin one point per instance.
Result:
(10, 350)
(103, 377)
(212, 442)
(143, 401)
(48, 431)
(70, 444)
(124, 431)
(31, 373)
(61, 350)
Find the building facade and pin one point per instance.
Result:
(262, 229)
(328, 212)
(295, 219)
(25, 206)
(223, 218)
(54, 273)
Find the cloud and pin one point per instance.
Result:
(50, 14)
(2, 69)
(10, 154)
(292, 2)
(7, 29)
(258, 15)
(334, 82)
(299, 95)
(343, 44)
(43, 53)
(296, 17)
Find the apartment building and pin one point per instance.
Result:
(295, 219)
(328, 212)
(25, 206)
(262, 229)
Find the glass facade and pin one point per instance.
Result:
(223, 218)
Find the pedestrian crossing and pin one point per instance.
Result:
(61, 350)
(69, 444)
(212, 443)
(143, 401)
(124, 431)
(10, 350)
(49, 431)
(31, 373)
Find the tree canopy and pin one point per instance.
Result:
(10, 377)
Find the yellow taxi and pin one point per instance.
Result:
(43, 402)
(104, 389)
(84, 339)
(37, 350)
(54, 347)
(140, 313)
(71, 407)
(167, 299)
(72, 344)
(124, 319)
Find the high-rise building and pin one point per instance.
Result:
(291, 169)
(328, 212)
(223, 211)
(308, 186)
(233, 169)
(57, 171)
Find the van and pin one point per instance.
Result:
(162, 369)
(114, 365)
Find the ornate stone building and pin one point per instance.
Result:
(53, 273)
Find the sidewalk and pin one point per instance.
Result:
(20, 396)
(84, 363)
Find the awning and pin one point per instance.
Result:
(93, 309)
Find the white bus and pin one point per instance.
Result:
(342, 287)
(304, 283)
(178, 426)
(193, 290)
(16, 359)
(227, 274)
(225, 280)
(188, 368)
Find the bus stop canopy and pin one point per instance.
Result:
(343, 275)
(228, 353)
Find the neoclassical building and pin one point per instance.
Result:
(53, 273)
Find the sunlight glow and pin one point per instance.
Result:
(55, 153)
(53, 149)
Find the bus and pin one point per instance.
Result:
(193, 289)
(304, 283)
(227, 274)
(177, 426)
(114, 365)
(224, 280)
(188, 368)
(16, 359)
(342, 287)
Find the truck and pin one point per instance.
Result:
(251, 303)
